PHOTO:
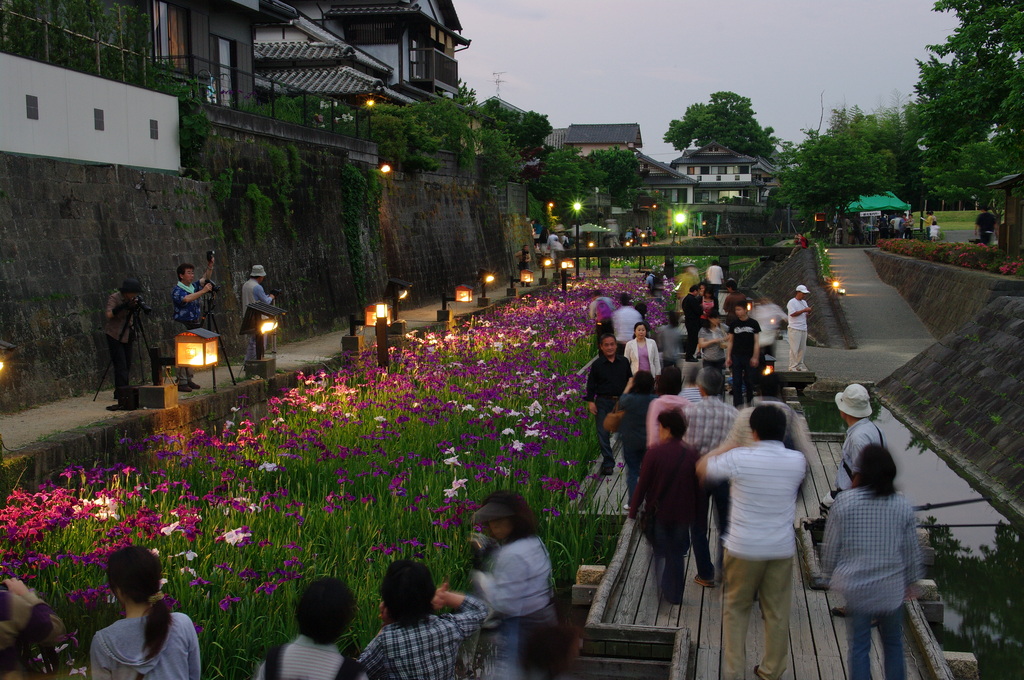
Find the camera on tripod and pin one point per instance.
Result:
(141, 305)
(214, 287)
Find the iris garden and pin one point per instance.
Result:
(339, 476)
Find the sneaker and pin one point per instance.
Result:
(184, 388)
(707, 583)
(625, 506)
(194, 386)
(607, 470)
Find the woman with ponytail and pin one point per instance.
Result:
(149, 642)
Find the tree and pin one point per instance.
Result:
(728, 119)
(963, 176)
(828, 171)
(621, 171)
(971, 87)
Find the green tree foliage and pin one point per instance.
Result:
(728, 119)
(85, 35)
(963, 176)
(828, 171)
(971, 87)
(621, 174)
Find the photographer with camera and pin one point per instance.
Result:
(252, 291)
(122, 309)
(188, 310)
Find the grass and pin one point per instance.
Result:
(956, 220)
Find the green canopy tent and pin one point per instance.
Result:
(886, 201)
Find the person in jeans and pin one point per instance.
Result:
(633, 429)
(188, 310)
(873, 557)
(606, 382)
(670, 491)
(741, 354)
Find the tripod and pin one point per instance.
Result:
(210, 323)
(134, 321)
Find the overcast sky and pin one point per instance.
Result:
(645, 61)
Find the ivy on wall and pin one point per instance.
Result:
(361, 194)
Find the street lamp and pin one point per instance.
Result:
(544, 264)
(577, 206)
(382, 316)
(680, 224)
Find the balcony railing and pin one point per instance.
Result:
(433, 66)
(254, 93)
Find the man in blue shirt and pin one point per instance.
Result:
(188, 310)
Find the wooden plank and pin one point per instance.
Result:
(801, 641)
(604, 592)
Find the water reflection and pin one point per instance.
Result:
(983, 588)
(979, 570)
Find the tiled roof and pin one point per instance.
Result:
(713, 152)
(315, 51)
(450, 23)
(556, 138)
(333, 80)
(616, 133)
(659, 167)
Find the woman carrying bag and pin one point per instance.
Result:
(676, 508)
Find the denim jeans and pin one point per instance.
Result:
(859, 632)
(719, 493)
(634, 457)
(604, 437)
(671, 543)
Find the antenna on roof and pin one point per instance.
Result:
(497, 82)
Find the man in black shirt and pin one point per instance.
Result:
(692, 310)
(742, 350)
(606, 382)
(986, 224)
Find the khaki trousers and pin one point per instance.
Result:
(772, 581)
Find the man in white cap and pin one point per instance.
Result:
(855, 408)
(252, 291)
(798, 309)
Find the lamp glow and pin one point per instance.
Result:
(195, 348)
(268, 326)
(463, 294)
(526, 276)
(385, 168)
(376, 311)
(567, 264)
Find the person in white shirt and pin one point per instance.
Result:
(759, 543)
(642, 351)
(798, 309)
(716, 277)
(624, 320)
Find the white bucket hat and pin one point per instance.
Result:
(854, 401)
(257, 270)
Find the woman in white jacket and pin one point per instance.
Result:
(642, 352)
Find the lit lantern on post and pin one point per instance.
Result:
(526, 277)
(382, 317)
(195, 348)
(484, 277)
(372, 311)
(565, 266)
(463, 294)
(260, 320)
(544, 265)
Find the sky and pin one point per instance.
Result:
(645, 61)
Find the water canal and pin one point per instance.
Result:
(979, 568)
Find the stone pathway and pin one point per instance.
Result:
(887, 332)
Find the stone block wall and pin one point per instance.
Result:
(70, 233)
(965, 394)
(944, 297)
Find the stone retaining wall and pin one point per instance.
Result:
(943, 296)
(965, 394)
(72, 232)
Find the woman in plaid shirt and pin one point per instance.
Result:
(874, 559)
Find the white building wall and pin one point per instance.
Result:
(66, 125)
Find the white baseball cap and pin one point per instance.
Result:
(802, 289)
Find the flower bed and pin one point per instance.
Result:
(968, 255)
(344, 474)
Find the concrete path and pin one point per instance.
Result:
(25, 427)
(887, 331)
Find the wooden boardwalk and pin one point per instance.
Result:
(818, 646)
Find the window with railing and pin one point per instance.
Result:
(427, 64)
